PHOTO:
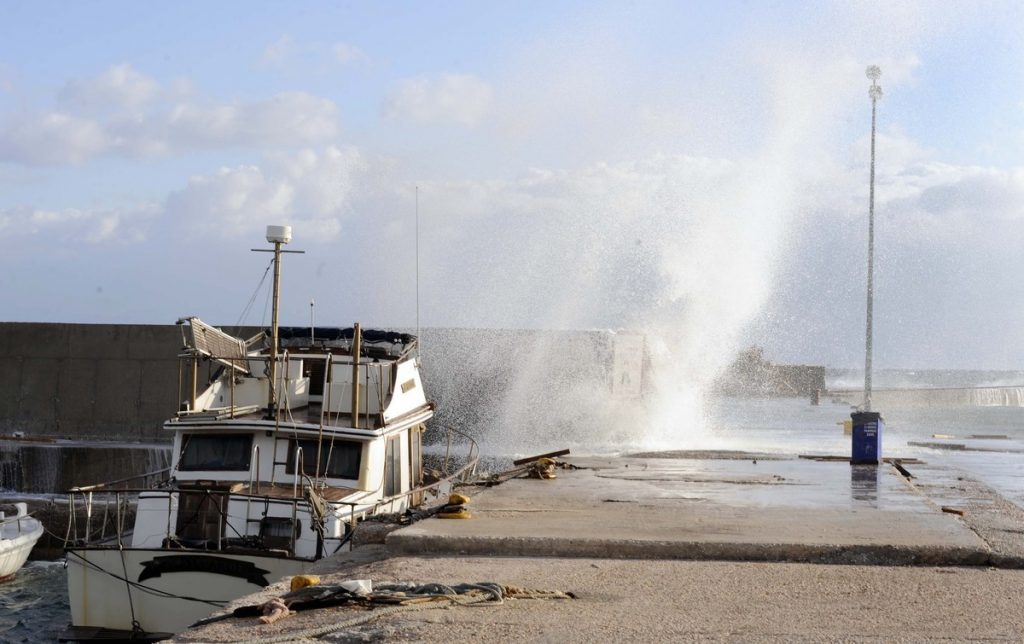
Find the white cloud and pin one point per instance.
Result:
(462, 99)
(73, 225)
(289, 118)
(309, 189)
(119, 88)
(914, 185)
(123, 112)
(52, 137)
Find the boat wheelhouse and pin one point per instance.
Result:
(296, 435)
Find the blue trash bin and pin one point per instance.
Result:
(867, 438)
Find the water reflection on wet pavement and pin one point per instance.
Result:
(791, 482)
(985, 443)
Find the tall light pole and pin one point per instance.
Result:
(875, 92)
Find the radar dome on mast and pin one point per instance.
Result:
(279, 234)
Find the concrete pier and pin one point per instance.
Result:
(699, 549)
(737, 510)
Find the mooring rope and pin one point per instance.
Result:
(128, 588)
(409, 597)
(320, 631)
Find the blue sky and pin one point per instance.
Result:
(696, 170)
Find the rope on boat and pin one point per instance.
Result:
(136, 627)
(252, 300)
(396, 597)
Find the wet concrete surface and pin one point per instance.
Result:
(791, 510)
(996, 519)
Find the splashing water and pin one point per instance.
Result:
(680, 249)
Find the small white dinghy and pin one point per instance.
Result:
(17, 536)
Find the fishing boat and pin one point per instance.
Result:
(18, 534)
(296, 436)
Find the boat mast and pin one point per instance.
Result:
(276, 235)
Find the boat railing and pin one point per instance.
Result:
(18, 521)
(120, 492)
(105, 517)
(468, 468)
(443, 484)
(146, 480)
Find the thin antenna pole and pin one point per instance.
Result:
(417, 271)
(312, 325)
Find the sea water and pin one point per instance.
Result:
(34, 605)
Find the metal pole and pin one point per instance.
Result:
(357, 339)
(417, 271)
(276, 235)
(272, 372)
(875, 92)
(195, 383)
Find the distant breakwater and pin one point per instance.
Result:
(937, 397)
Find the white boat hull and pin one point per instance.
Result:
(163, 590)
(17, 537)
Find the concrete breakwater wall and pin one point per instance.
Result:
(937, 397)
(120, 382)
(37, 467)
(82, 381)
(752, 375)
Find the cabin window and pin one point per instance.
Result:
(339, 459)
(216, 452)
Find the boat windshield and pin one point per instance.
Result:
(339, 459)
(209, 452)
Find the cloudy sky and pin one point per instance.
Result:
(695, 170)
